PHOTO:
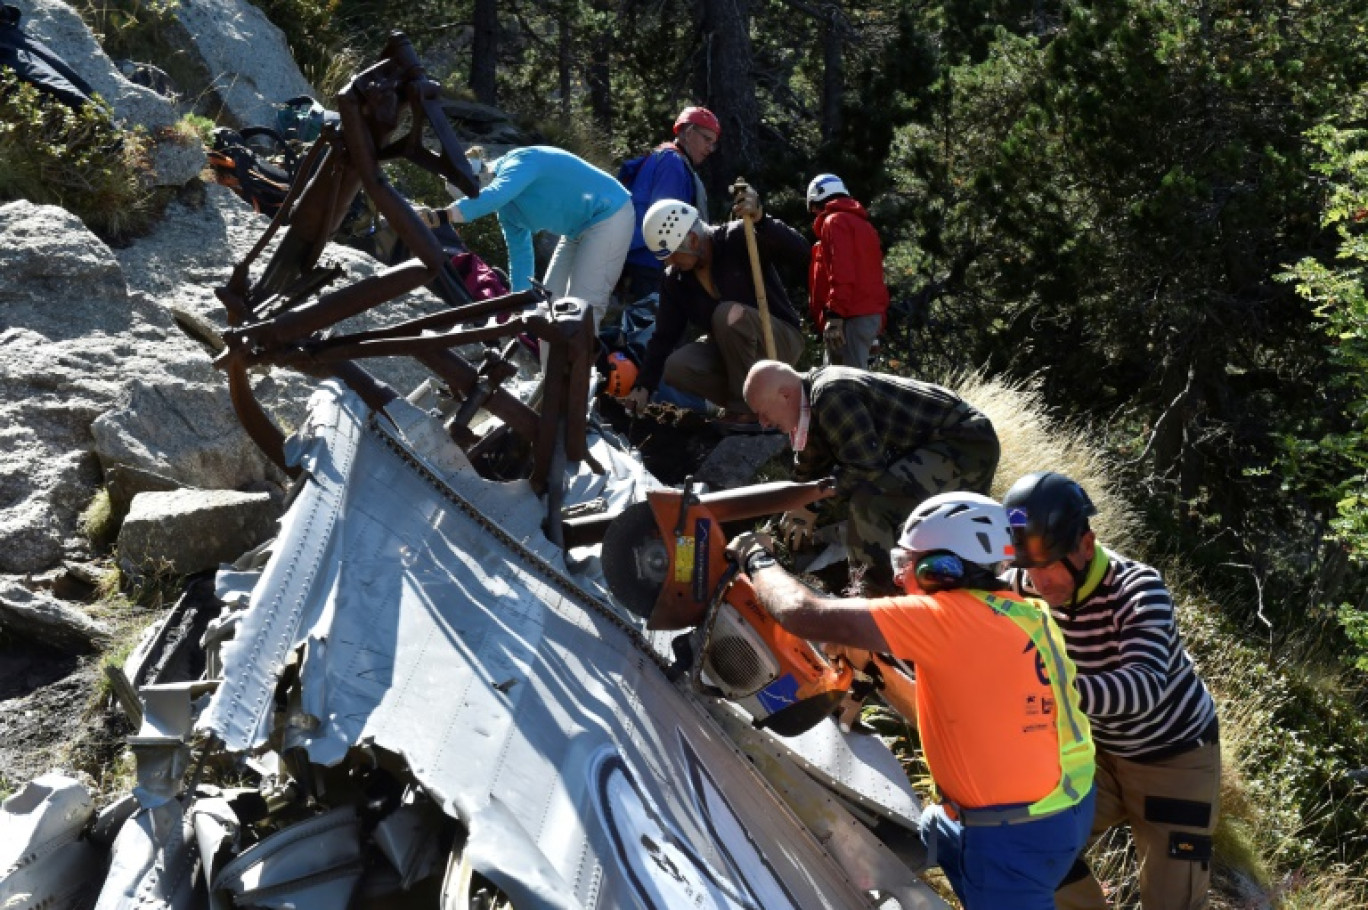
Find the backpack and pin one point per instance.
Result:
(238, 158)
(302, 118)
(627, 174)
(480, 279)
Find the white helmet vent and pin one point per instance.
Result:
(970, 525)
(666, 224)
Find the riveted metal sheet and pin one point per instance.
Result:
(439, 623)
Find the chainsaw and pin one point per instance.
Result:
(665, 560)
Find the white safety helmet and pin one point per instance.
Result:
(971, 526)
(666, 224)
(823, 187)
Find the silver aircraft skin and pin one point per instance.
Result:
(412, 613)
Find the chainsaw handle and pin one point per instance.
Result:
(763, 499)
(740, 504)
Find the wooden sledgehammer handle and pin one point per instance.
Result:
(757, 276)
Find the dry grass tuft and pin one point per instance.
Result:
(1033, 439)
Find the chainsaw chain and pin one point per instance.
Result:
(531, 559)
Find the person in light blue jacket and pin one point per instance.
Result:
(541, 188)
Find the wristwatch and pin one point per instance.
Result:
(758, 559)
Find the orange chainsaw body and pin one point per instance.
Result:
(789, 694)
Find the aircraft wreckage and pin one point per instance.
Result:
(442, 687)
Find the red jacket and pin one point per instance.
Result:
(846, 273)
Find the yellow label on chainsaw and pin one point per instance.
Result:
(684, 558)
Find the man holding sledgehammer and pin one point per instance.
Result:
(710, 283)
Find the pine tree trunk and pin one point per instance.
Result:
(725, 84)
(484, 51)
(833, 76)
(565, 56)
(598, 76)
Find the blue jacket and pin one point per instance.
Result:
(540, 188)
(665, 174)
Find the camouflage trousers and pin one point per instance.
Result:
(879, 508)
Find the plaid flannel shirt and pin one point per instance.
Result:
(862, 422)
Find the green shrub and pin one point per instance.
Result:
(52, 155)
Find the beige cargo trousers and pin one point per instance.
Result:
(1172, 807)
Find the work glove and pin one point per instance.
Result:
(749, 546)
(635, 400)
(433, 218)
(747, 204)
(796, 528)
(834, 333)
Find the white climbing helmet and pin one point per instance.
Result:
(666, 224)
(971, 526)
(823, 187)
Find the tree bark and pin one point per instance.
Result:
(725, 82)
(598, 75)
(833, 74)
(484, 51)
(565, 56)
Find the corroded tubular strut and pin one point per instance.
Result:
(286, 318)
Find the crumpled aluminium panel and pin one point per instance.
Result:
(44, 861)
(522, 700)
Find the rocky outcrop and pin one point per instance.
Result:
(58, 26)
(188, 531)
(252, 66)
(36, 617)
(244, 58)
(175, 158)
(87, 334)
(187, 433)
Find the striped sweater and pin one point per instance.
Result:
(1135, 680)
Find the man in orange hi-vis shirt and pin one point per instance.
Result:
(1008, 747)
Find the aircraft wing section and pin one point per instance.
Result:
(431, 619)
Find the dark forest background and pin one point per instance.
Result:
(1108, 199)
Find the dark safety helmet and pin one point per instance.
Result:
(1050, 509)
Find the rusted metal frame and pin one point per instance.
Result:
(239, 284)
(496, 369)
(369, 114)
(313, 220)
(263, 430)
(424, 94)
(331, 308)
(381, 100)
(304, 287)
(345, 347)
(516, 302)
(254, 419)
(554, 381)
(461, 377)
(565, 388)
(577, 393)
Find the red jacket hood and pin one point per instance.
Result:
(844, 204)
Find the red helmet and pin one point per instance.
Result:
(622, 374)
(698, 116)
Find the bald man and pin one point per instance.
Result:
(890, 441)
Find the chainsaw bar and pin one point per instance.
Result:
(636, 561)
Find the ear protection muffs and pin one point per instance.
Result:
(939, 570)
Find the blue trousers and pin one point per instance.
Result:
(1007, 867)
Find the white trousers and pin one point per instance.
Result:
(588, 266)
